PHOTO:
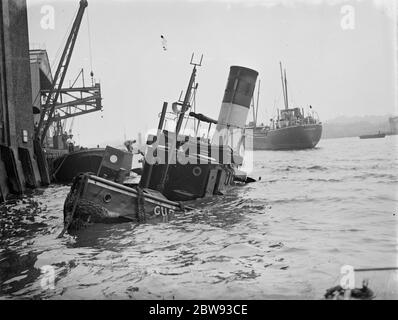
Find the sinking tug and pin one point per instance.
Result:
(177, 166)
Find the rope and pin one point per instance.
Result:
(74, 196)
(79, 212)
(140, 206)
(89, 42)
(62, 44)
(59, 167)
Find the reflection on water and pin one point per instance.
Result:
(285, 236)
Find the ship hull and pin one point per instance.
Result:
(66, 167)
(373, 136)
(289, 138)
(195, 176)
(96, 200)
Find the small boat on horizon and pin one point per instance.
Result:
(373, 136)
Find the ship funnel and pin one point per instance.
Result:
(235, 105)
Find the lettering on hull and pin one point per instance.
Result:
(163, 211)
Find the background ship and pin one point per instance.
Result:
(292, 129)
(373, 136)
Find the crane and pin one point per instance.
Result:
(62, 103)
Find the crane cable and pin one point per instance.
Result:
(91, 65)
(89, 47)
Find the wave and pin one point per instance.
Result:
(312, 168)
(317, 168)
(306, 199)
(324, 180)
(367, 175)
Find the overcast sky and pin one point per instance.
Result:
(338, 71)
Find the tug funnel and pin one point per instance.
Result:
(235, 105)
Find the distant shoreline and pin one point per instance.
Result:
(329, 138)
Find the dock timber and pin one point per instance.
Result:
(18, 167)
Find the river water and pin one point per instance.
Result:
(284, 237)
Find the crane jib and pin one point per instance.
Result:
(59, 76)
